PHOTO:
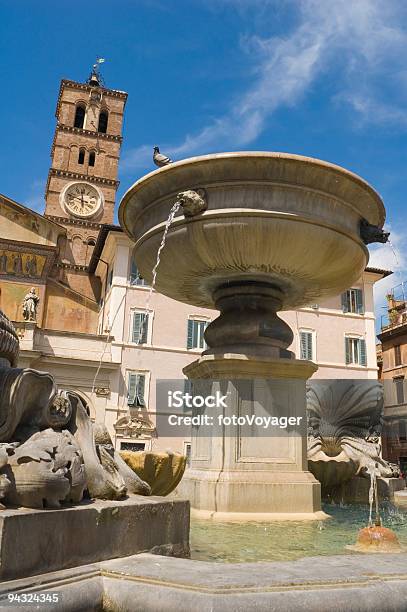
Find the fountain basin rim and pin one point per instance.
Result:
(259, 517)
(168, 172)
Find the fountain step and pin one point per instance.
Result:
(35, 541)
(355, 583)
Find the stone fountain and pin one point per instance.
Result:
(256, 233)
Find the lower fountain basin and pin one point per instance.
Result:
(288, 541)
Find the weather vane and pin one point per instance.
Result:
(95, 77)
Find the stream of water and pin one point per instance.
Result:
(170, 219)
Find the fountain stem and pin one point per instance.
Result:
(248, 322)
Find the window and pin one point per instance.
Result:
(187, 452)
(352, 301)
(103, 120)
(399, 383)
(92, 156)
(81, 156)
(195, 334)
(132, 446)
(355, 350)
(79, 116)
(139, 329)
(402, 430)
(397, 355)
(109, 278)
(136, 387)
(306, 344)
(135, 277)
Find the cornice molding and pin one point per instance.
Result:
(74, 221)
(70, 128)
(80, 177)
(114, 93)
(68, 266)
(62, 127)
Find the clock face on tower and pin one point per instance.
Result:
(81, 199)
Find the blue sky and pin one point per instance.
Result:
(314, 77)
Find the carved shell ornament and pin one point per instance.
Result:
(344, 425)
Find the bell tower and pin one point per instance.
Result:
(82, 181)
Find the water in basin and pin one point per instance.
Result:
(285, 541)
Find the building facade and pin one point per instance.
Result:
(393, 367)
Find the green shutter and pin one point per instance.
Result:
(190, 334)
(310, 347)
(131, 388)
(136, 389)
(345, 302)
(303, 346)
(359, 301)
(205, 325)
(362, 351)
(201, 328)
(140, 327)
(133, 272)
(141, 383)
(347, 351)
(306, 345)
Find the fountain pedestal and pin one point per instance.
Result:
(237, 476)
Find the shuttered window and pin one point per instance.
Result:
(136, 389)
(109, 280)
(135, 277)
(139, 332)
(352, 301)
(306, 345)
(402, 429)
(397, 355)
(195, 334)
(355, 351)
(399, 383)
(187, 453)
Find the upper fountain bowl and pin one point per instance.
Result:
(289, 221)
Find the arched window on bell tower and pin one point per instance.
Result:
(103, 119)
(80, 116)
(92, 157)
(81, 156)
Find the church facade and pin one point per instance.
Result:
(91, 330)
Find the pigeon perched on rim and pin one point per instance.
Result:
(159, 159)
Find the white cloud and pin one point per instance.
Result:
(35, 198)
(373, 111)
(358, 40)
